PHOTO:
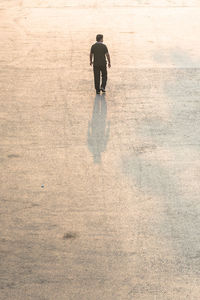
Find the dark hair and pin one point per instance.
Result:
(99, 37)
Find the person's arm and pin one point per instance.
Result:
(108, 58)
(91, 55)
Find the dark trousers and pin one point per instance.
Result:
(97, 70)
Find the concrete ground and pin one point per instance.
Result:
(100, 195)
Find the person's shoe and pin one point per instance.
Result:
(103, 90)
(97, 92)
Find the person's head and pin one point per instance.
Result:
(99, 38)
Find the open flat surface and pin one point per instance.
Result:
(99, 195)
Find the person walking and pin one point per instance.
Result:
(98, 54)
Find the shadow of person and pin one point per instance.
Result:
(98, 130)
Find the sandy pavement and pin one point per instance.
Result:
(99, 195)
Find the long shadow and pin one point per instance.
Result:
(98, 129)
